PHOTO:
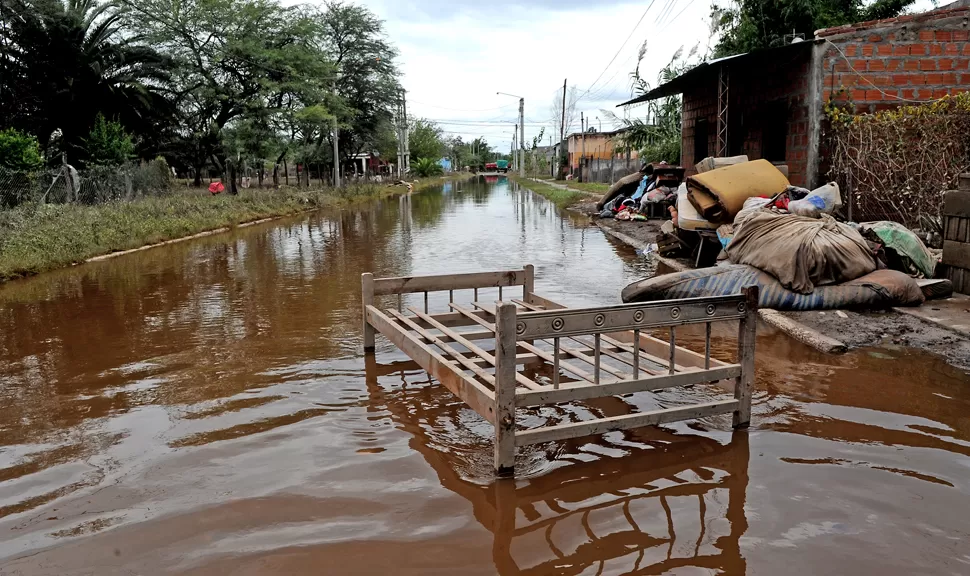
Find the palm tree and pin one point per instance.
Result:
(62, 62)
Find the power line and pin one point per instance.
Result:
(630, 35)
(684, 9)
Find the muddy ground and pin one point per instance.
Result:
(640, 232)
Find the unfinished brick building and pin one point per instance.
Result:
(769, 103)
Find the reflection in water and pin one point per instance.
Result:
(205, 407)
(637, 502)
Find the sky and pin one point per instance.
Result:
(456, 54)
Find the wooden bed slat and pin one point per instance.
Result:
(577, 429)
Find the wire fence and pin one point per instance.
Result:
(95, 185)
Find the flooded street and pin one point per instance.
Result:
(205, 408)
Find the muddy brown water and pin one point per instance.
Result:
(204, 408)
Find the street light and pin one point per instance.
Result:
(521, 130)
(601, 124)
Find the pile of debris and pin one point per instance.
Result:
(744, 224)
(649, 193)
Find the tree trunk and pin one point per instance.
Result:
(286, 172)
(232, 178)
(276, 175)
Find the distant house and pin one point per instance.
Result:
(445, 164)
(598, 155)
(769, 103)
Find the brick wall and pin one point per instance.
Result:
(782, 82)
(882, 64)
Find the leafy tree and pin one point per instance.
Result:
(425, 140)
(353, 38)
(64, 61)
(658, 136)
(748, 25)
(19, 151)
(108, 144)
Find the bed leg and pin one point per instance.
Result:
(367, 299)
(747, 333)
(505, 347)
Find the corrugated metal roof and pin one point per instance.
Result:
(690, 78)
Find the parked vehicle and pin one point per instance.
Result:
(498, 166)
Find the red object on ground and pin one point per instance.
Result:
(216, 188)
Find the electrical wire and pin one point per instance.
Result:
(630, 35)
(674, 19)
(869, 82)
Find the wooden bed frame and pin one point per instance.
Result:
(449, 346)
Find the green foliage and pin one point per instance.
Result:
(19, 151)
(425, 140)
(658, 137)
(752, 24)
(108, 144)
(426, 167)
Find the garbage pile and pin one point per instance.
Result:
(757, 229)
(642, 195)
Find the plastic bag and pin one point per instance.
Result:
(823, 200)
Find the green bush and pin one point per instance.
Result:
(19, 151)
(426, 167)
(108, 144)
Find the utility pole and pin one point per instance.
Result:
(582, 129)
(336, 155)
(521, 137)
(407, 129)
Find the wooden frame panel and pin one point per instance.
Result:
(617, 337)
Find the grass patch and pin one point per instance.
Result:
(35, 239)
(561, 198)
(597, 188)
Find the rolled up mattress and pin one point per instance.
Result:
(879, 289)
(718, 195)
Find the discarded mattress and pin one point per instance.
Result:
(687, 216)
(802, 253)
(719, 195)
(626, 186)
(880, 289)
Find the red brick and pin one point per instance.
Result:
(900, 79)
(936, 49)
(880, 80)
(943, 36)
(841, 66)
(961, 64)
(966, 49)
(859, 65)
(924, 94)
(868, 49)
(850, 50)
(908, 94)
(927, 64)
(940, 92)
(875, 38)
(952, 49)
(893, 65)
(877, 66)
(926, 35)
(873, 95)
(901, 50)
(934, 78)
(950, 79)
(944, 64)
(918, 50)
(858, 95)
(911, 65)
(961, 35)
(848, 80)
(884, 49)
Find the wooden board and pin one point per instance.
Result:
(411, 284)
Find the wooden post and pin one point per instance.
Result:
(505, 389)
(747, 332)
(367, 299)
(529, 286)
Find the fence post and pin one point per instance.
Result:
(505, 389)
(747, 333)
(367, 299)
(68, 181)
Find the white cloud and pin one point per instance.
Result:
(455, 56)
